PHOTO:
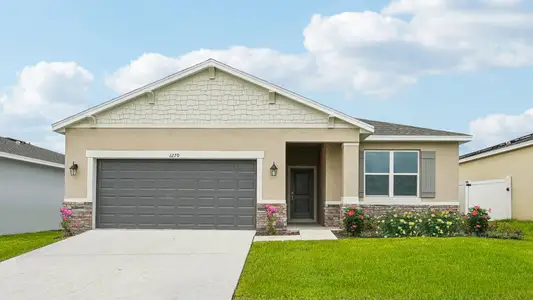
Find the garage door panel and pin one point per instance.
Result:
(176, 194)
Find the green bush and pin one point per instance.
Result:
(441, 223)
(354, 220)
(477, 220)
(504, 231)
(430, 223)
(394, 224)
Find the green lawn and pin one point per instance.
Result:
(412, 268)
(16, 244)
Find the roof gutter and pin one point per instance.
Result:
(31, 160)
(419, 138)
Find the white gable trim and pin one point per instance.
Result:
(31, 160)
(59, 126)
(496, 151)
(213, 126)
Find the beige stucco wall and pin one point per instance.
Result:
(271, 141)
(447, 170)
(333, 171)
(517, 164)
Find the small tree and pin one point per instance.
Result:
(272, 219)
(66, 221)
(478, 220)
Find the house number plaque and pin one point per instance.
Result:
(174, 155)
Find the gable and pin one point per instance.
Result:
(202, 100)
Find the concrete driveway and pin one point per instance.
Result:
(130, 264)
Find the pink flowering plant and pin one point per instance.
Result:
(66, 221)
(272, 219)
(477, 220)
(354, 220)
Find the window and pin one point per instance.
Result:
(391, 173)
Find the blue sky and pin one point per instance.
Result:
(441, 64)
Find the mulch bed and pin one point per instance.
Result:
(340, 234)
(279, 232)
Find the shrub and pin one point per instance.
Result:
(440, 223)
(272, 219)
(477, 220)
(66, 221)
(354, 220)
(394, 224)
(504, 231)
(430, 223)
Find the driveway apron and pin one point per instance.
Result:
(130, 264)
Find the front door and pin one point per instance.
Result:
(302, 193)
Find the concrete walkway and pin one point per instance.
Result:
(130, 264)
(305, 235)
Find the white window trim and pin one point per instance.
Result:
(94, 155)
(391, 197)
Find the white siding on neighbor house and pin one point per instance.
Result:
(30, 196)
(198, 99)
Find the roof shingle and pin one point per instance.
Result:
(16, 147)
(517, 141)
(385, 128)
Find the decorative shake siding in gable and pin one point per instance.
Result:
(223, 100)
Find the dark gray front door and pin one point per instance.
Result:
(170, 194)
(301, 193)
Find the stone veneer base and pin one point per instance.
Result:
(261, 220)
(332, 213)
(82, 215)
(378, 210)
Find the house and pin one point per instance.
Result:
(210, 146)
(512, 159)
(31, 187)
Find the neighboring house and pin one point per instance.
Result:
(209, 146)
(32, 183)
(514, 159)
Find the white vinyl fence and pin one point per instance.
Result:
(494, 194)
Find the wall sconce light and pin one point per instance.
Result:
(273, 169)
(73, 169)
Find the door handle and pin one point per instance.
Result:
(292, 196)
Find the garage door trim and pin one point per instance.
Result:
(94, 155)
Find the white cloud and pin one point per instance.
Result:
(47, 90)
(370, 52)
(415, 6)
(502, 3)
(149, 67)
(497, 128)
(44, 93)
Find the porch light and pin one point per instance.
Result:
(73, 169)
(273, 169)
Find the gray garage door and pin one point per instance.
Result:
(210, 194)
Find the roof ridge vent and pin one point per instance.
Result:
(18, 142)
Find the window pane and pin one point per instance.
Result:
(377, 162)
(377, 185)
(405, 185)
(405, 162)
